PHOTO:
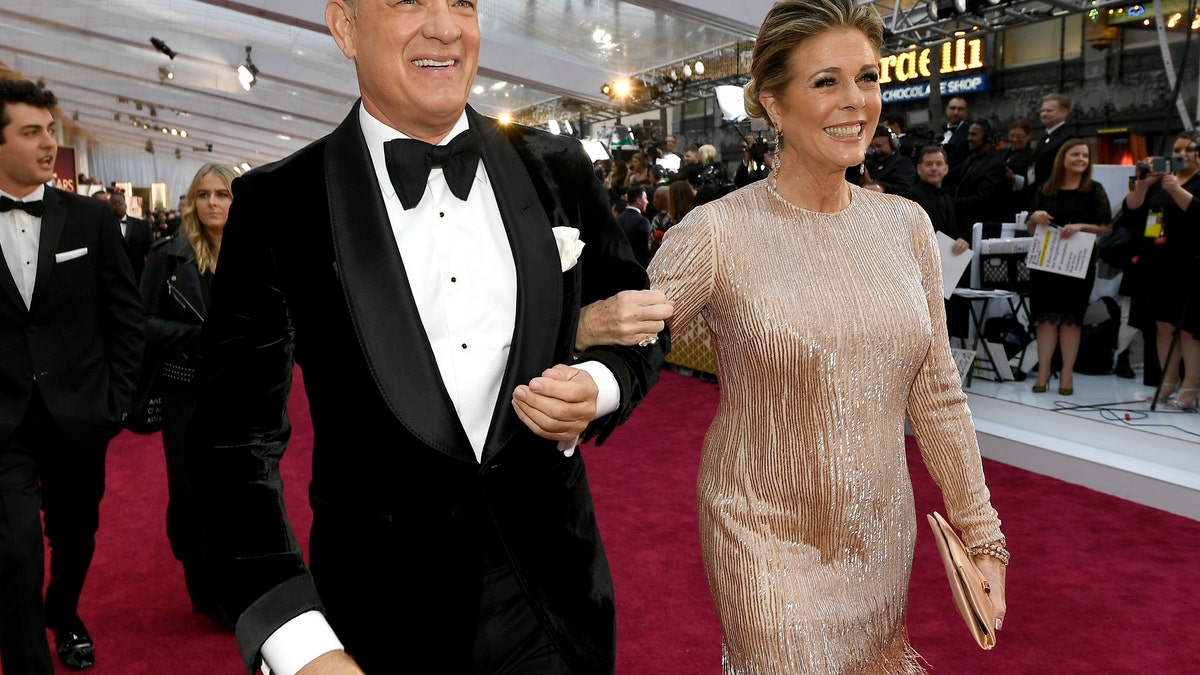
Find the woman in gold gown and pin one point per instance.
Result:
(824, 302)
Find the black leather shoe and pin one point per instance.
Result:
(75, 648)
(1123, 370)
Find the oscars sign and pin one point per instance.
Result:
(906, 70)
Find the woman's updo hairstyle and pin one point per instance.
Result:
(790, 24)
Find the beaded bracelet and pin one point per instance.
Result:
(993, 549)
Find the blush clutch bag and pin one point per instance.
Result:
(968, 587)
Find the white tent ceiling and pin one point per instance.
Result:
(98, 59)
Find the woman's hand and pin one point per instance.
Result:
(993, 570)
(1068, 230)
(627, 318)
(1038, 218)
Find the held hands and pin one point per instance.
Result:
(993, 570)
(626, 318)
(558, 405)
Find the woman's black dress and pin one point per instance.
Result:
(1058, 295)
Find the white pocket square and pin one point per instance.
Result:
(569, 246)
(70, 255)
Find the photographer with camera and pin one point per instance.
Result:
(1161, 215)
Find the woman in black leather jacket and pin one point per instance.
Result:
(175, 296)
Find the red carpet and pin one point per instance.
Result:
(1097, 585)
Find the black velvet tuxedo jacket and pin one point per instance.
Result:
(310, 273)
(81, 338)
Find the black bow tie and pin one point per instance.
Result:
(34, 209)
(409, 162)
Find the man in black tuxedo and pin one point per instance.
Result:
(954, 135)
(433, 314)
(636, 225)
(1054, 112)
(136, 231)
(71, 341)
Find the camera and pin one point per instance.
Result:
(1161, 165)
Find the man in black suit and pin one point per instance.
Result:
(1018, 163)
(136, 231)
(929, 195)
(433, 313)
(954, 135)
(982, 193)
(636, 225)
(71, 340)
(1054, 112)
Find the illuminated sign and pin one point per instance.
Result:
(952, 87)
(956, 56)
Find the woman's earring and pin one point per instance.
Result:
(778, 151)
(862, 168)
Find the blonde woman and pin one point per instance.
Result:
(175, 296)
(824, 305)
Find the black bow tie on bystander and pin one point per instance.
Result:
(34, 209)
(409, 162)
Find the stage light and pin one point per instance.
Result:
(162, 47)
(247, 72)
(699, 69)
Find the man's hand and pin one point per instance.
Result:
(558, 405)
(959, 246)
(336, 662)
(627, 318)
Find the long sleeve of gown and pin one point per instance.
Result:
(938, 412)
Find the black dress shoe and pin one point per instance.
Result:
(1123, 370)
(75, 647)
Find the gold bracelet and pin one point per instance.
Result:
(993, 549)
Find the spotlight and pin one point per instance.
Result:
(699, 68)
(162, 47)
(247, 73)
(165, 73)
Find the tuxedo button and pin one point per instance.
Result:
(453, 280)
(464, 345)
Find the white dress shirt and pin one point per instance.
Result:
(463, 278)
(19, 236)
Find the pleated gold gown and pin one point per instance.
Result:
(827, 330)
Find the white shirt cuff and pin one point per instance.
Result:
(297, 642)
(608, 397)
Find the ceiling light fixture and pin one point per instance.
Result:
(247, 72)
(162, 47)
(165, 73)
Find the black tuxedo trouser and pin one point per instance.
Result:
(368, 609)
(42, 470)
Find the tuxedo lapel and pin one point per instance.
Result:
(53, 218)
(539, 276)
(380, 299)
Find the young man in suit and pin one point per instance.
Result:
(433, 313)
(635, 224)
(71, 340)
(136, 231)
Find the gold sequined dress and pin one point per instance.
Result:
(827, 331)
